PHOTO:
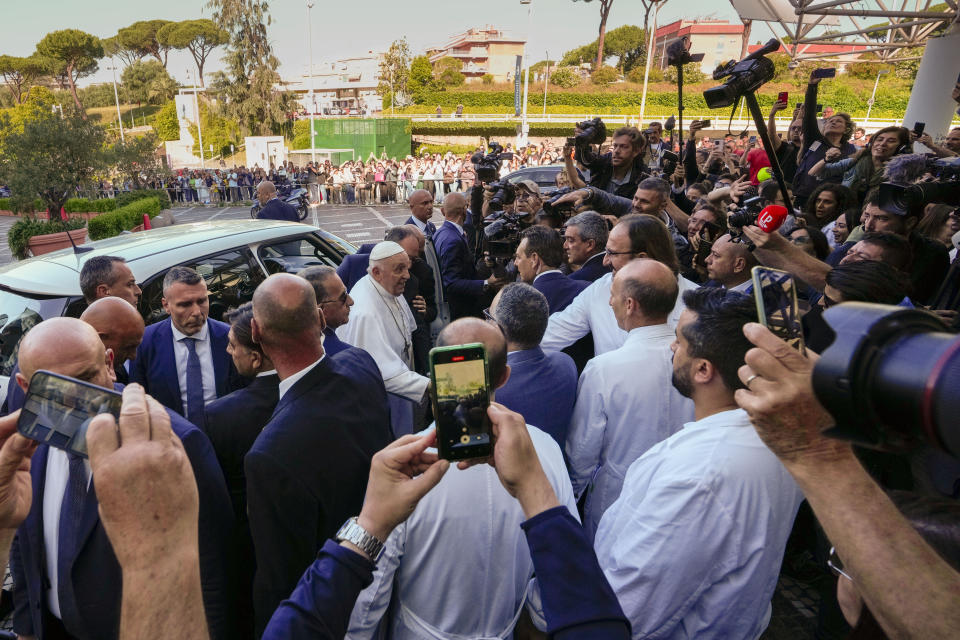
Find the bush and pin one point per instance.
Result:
(85, 205)
(22, 230)
(126, 197)
(486, 129)
(636, 75)
(487, 78)
(8, 204)
(691, 74)
(456, 149)
(604, 76)
(123, 218)
(565, 77)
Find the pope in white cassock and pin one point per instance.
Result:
(381, 322)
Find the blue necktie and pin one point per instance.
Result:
(68, 530)
(194, 406)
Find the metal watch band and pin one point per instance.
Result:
(353, 533)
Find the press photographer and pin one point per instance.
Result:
(617, 172)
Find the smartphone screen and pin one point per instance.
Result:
(777, 309)
(826, 72)
(919, 127)
(58, 409)
(783, 96)
(461, 394)
(753, 139)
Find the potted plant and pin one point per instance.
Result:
(30, 236)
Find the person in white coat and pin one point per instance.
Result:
(460, 566)
(634, 236)
(625, 400)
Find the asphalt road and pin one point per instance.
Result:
(357, 224)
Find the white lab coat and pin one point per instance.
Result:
(626, 403)
(382, 325)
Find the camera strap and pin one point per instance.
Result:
(736, 105)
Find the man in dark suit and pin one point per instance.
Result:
(538, 259)
(307, 470)
(66, 576)
(183, 362)
(334, 303)
(421, 210)
(271, 207)
(233, 423)
(120, 327)
(466, 294)
(354, 266)
(543, 385)
(584, 240)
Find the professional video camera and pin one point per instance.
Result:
(890, 378)
(488, 166)
(591, 132)
(903, 196)
(745, 76)
(503, 193)
(501, 234)
(678, 53)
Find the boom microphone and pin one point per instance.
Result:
(905, 169)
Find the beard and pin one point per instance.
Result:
(681, 382)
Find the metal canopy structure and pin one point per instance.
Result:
(887, 28)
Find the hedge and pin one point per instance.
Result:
(126, 197)
(25, 228)
(85, 205)
(6, 204)
(123, 218)
(488, 128)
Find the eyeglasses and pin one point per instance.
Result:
(618, 253)
(342, 299)
(489, 316)
(836, 565)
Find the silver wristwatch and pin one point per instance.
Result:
(353, 533)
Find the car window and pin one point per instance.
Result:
(290, 256)
(19, 314)
(231, 278)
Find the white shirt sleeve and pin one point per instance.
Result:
(373, 602)
(587, 426)
(567, 326)
(366, 331)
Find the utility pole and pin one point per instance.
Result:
(196, 110)
(116, 97)
(546, 81)
(313, 106)
(524, 125)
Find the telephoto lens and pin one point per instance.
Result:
(890, 378)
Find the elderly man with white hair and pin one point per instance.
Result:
(382, 323)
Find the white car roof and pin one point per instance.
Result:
(146, 252)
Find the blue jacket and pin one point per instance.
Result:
(332, 344)
(463, 289)
(542, 387)
(91, 610)
(355, 266)
(578, 602)
(276, 209)
(307, 471)
(155, 366)
(593, 269)
(559, 290)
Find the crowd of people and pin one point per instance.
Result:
(274, 475)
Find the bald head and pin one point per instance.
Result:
(119, 325)
(284, 309)
(644, 292)
(67, 346)
(265, 191)
(468, 330)
(421, 205)
(454, 207)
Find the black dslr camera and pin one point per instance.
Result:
(488, 166)
(591, 132)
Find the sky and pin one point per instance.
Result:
(343, 29)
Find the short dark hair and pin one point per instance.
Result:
(659, 185)
(648, 234)
(769, 190)
(398, 233)
(591, 226)
(637, 140)
(316, 276)
(239, 320)
(544, 242)
(522, 314)
(96, 271)
(185, 275)
(868, 281)
(654, 301)
(717, 333)
(896, 249)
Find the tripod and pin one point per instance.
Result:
(754, 108)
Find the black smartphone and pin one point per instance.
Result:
(919, 127)
(825, 72)
(58, 409)
(460, 392)
(708, 235)
(819, 109)
(705, 124)
(775, 293)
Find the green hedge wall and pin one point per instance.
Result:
(25, 228)
(487, 128)
(126, 197)
(6, 204)
(123, 218)
(85, 205)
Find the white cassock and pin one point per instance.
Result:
(382, 324)
(626, 403)
(590, 312)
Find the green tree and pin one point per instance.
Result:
(48, 157)
(20, 73)
(447, 71)
(134, 158)
(604, 76)
(421, 75)
(605, 6)
(147, 81)
(219, 130)
(199, 37)
(565, 77)
(166, 124)
(394, 71)
(577, 56)
(113, 48)
(248, 85)
(141, 37)
(628, 43)
(72, 53)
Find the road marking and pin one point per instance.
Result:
(361, 234)
(351, 224)
(385, 222)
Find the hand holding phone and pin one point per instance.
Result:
(918, 128)
(460, 392)
(778, 309)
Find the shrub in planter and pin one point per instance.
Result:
(20, 233)
(85, 205)
(124, 218)
(126, 197)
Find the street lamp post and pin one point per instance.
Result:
(646, 69)
(880, 72)
(116, 97)
(313, 106)
(546, 81)
(524, 125)
(196, 111)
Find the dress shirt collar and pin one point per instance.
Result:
(649, 332)
(199, 335)
(546, 272)
(458, 227)
(272, 372)
(288, 382)
(420, 225)
(729, 418)
(744, 287)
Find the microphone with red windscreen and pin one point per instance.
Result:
(771, 217)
